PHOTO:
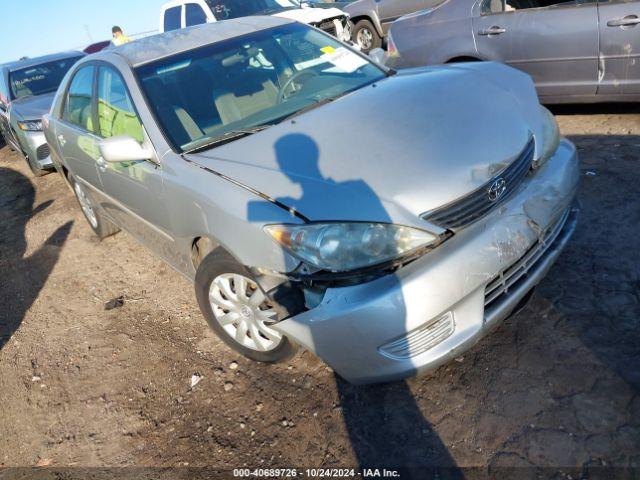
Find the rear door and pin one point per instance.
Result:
(133, 189)
(619, 47)
(76, 128)
(555, 42)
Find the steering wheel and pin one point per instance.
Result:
(282, 93)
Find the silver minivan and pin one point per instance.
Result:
(251, 156)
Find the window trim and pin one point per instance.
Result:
(65, 98)
(116, 70)
(557, 6)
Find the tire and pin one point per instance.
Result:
(366, 36)
(220, 268)
(100, 225)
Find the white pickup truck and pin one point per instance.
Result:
(185, 13)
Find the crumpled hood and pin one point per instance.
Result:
(33, 108)
(391, 151)
(311, 15)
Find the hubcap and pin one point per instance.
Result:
(365, 38)
(86, 206)
(244, 312)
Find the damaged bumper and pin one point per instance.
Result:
(440, 305)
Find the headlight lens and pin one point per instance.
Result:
(31, 126)
(342, 247)
(550, 137)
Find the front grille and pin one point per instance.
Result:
(43, 152)
(329, 26)
(510, 278)
(475, 205)
(420, 340)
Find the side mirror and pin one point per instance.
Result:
(123, 148)
(378, 55)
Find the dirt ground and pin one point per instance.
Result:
(556, 385)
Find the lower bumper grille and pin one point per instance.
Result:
(510, 278)
(420, 340)
(42, 152)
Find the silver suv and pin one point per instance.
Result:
(27, 88)
(372, 18)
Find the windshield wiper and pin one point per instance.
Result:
(229, 137)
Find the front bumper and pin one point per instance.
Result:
(35, 147)
(433, 309)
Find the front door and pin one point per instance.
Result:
(619, 47)
(133, 189)
(555, 42)
(76, 129)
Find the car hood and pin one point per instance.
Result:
(311, 15)
(33, 108)
(393, 150)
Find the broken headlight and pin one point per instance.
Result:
(344, 247)
(550, 137)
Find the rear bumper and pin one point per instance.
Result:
(435, 308)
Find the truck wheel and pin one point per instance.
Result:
(238, 311)
(101, 226)
(366, 36)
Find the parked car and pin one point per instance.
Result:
(185, 13)
(97, 47)
(371, 18)
(27, 88)
(228, 150)
(576, 51)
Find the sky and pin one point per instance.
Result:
(37, 27)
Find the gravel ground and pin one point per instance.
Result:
(557, 385)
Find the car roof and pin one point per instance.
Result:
(30, 62)
(166, 44)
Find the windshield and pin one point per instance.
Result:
(39, 79)
(226, 9)
(255, 80)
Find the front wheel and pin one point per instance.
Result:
(100, 225)
(366, 36)
(238, 311)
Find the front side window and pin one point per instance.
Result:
(194, 15)
(79, 109)
(116, 114)
(172, 18)
(255, 80)
(39, 79)
(226, 9)
(499, 6)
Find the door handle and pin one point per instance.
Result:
(628, 21)
(102, 164)
(62, 140)
(492, 31)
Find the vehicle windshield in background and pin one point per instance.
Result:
(226, 9)
(254, 80)
(39, 79)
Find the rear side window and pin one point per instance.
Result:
(172, 18)
(194, 15)
(116, 115)
(79, 108)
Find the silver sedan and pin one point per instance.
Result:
(252, 157)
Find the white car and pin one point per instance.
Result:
(186, 13)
